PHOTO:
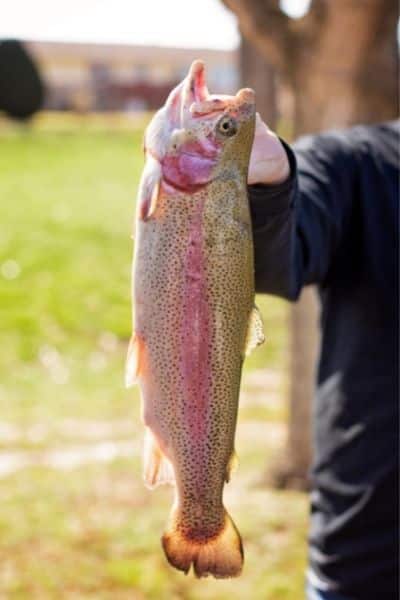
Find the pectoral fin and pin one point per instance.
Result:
(148, 203)
(157, 469)
(149, 189)
(255, 331)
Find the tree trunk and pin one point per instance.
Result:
(349, 74)
(340, 61)
(259, 74)
(292, 470)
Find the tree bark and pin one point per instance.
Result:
(340, 61)
(348, 74)
(259, 74)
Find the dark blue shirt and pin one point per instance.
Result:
(334, 223)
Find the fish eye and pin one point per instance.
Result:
(227, 126)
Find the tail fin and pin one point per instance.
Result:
(220, 555)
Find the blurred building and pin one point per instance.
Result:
(104, 77)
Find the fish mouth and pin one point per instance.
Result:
(191, 101)
(197, 102)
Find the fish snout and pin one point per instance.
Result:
(246, 95)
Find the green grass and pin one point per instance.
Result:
(67, 190)
(66, 213)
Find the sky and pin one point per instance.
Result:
(186, 23)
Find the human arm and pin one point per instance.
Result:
(299, 223)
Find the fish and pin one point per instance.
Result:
(194, 318)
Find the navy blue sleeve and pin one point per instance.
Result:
(298, 225)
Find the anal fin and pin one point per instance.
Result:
(157, 469)
(255, 331)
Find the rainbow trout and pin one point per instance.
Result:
(194, 313)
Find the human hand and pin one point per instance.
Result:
(269, 163)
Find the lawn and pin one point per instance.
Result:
(75, 518)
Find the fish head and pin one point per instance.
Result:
(197, 136)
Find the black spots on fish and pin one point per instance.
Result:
(200, 452)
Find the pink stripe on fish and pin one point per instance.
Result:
(196, 336)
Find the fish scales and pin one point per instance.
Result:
(193, 298)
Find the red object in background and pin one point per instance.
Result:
(150, 95)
